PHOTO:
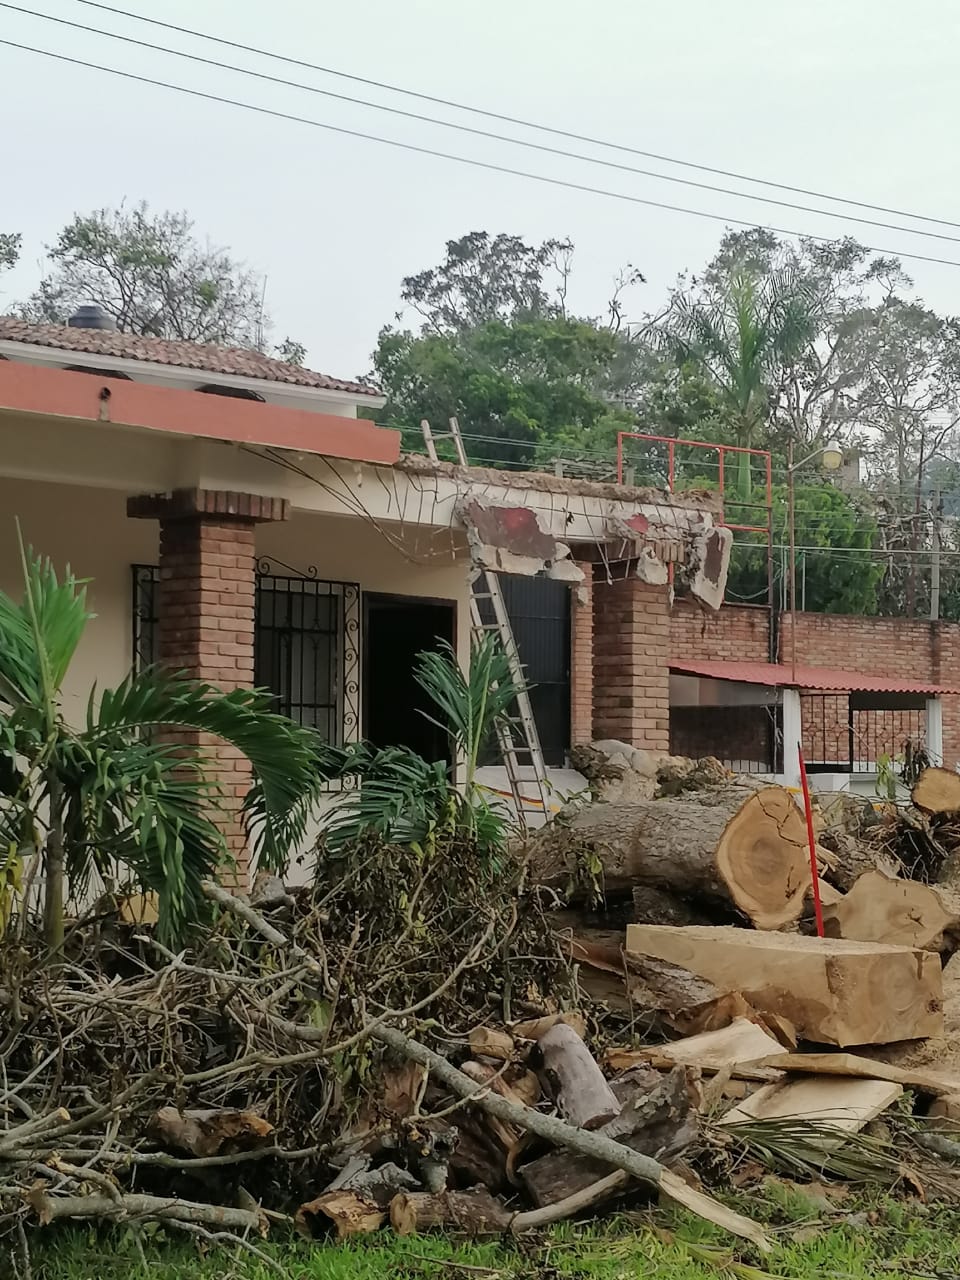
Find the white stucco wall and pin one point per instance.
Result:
(89, 530)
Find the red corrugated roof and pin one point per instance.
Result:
(777, 675)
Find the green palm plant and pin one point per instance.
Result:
(742, 339)
(406, 800)
(122, 789)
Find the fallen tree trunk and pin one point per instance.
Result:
(643, 1168)
(732, 846)
(832, 990)
(937, 790)
(881, 908)
(649, 988)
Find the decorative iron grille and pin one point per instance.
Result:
(854, 733)
(306, 644)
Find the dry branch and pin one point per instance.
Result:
(643, 1168)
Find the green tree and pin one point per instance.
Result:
(114, 792)
(837, 570)
(485, 278)
(10, 243)
(151, 273)
(741, 337)
(498, 349)
(513, 385)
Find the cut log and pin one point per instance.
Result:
(505, 1134)
(474, 1212)
(732, 846)
(650, 988)
(843, 1104)
(881, 908)
(946, 1110)
(488, 1042)
(209, 1132)
(643, 1168)
(848, 1064)
(743, 1043)
(937, 791)
(658, 1118)
(348, 1212)
(379, 1185)
(538, 1027)
(580, 1090)
(833, 991)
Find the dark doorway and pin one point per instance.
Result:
(539, 610)
(396, 630)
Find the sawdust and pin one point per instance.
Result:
(939, 1052)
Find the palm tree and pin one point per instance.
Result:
(405, 800)
(117, 790)
(741, 339)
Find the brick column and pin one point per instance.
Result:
(581, 659)
(631, 657)
(208, 571)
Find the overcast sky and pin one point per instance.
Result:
(855, 98)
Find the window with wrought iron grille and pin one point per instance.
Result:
(306, 645)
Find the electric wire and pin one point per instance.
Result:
(435, 153)
(481, 133)
(509, 119)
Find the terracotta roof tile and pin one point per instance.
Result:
(204, 357)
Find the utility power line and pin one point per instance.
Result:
(508, 119)
(489, 166)
(480, 133)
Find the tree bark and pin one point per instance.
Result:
(581, 1092)
(643, 1168)
(656, 1120)
(474, 1212)
(732, 845)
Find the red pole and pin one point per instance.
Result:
(812, 842)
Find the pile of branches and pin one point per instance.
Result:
(144, 1083)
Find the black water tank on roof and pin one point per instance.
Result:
(91, 317)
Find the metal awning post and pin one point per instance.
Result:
(792, 736)
(934, 734)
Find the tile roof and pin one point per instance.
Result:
(204, 357)
(780, 675)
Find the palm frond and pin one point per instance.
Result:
(291, 764)
(469, 703)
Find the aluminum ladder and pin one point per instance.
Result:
(517, 735)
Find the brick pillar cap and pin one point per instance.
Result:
(218, 504)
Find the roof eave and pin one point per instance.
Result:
(56, 357)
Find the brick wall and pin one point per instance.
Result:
(894, 647)
(735, 632)
(581, 659)
(631, 653)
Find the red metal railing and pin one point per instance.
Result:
(721, 451)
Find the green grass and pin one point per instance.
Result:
(816, 1239)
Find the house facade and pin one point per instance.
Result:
(238, 520)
